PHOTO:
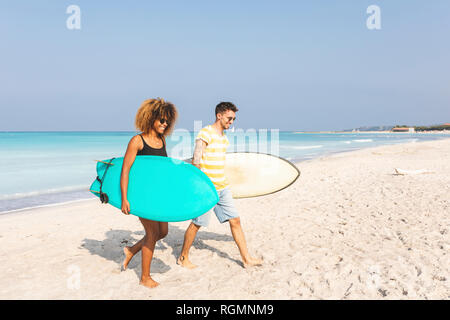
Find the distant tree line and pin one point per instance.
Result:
(430, 128)
(433, 128)
(388, 128)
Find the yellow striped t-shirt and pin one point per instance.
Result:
(213, 157)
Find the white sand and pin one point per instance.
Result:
(347, 229)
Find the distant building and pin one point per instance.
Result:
(410, 130)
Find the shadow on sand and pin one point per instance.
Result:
(111, 248)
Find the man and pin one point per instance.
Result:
(209, 156)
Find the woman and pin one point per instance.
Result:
(155, 118)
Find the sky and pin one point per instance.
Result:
(287, 65)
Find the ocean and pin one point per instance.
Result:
(48, 168)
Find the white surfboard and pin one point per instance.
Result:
(256, 174)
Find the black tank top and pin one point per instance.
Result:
(149, 151)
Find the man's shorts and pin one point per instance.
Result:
(224, 209)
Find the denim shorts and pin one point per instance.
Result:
(224, 209)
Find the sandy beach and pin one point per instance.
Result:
(349, 228)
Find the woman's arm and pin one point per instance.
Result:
(128, 160)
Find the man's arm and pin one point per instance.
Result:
(200, 146)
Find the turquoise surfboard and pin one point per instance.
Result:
(159, 188)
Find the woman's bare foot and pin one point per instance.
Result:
(250, 262)
(184, 262)
(149, 282)
(128, 256)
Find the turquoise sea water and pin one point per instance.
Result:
(44, 168)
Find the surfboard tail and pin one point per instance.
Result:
(102, 165)
(96, 186)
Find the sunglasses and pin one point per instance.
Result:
(231, 118)
(164, 121)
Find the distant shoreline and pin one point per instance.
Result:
(362, 132)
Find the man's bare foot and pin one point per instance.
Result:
(184, 262)
(128, 256)
(149, 282)
(251, 262)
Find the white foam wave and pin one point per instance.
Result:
(46, 205)
(363, 140)
(21, 195)
(304, 147)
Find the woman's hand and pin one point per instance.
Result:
(125, 206)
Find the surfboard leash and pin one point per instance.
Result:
(103, 196)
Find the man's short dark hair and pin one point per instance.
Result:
(225, 106)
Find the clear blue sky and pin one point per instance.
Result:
(291, 65)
